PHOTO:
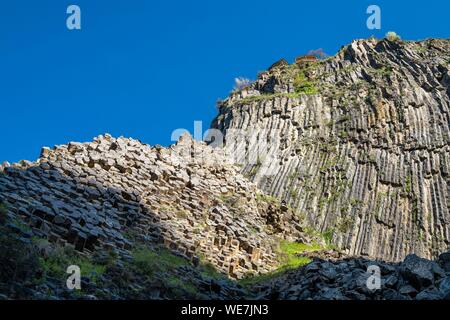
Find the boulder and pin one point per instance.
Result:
(444, 260)
(418, 271)
(429, 294)
(444, 288)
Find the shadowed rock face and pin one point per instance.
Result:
(188, 197)
(359, 144)
(348, 279)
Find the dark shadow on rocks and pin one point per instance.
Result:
(64, 206)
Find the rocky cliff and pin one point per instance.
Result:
(147, 222)
(188, 197)
(358, 144)
(324, 162)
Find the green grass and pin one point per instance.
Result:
(383, 71)
(289, 258)
(161, 261)
(182, 214)
(303, 85)
(292, 248)
(179, 286)
(266, 198)
(153, 261)
(209, 271)
(328, 237)
(289, 254)
(57, 262)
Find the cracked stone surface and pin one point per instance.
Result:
(188, 197)
(366, 156)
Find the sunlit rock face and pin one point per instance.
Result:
(358, 144)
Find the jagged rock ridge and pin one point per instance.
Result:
(358, 144)
(188, 197)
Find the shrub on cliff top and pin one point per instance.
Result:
(392, 36)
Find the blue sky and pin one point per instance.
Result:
(144, 68)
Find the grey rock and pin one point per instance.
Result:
(407, 289)
(444, 288)
(418, 271)
(444, 259)
(359, 142)
(429, 294)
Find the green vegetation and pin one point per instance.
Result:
(19, 261)
(289, 253)
(254, 170)
(55, 265)
(385, 70)
(420, 49)
(209, 271)
(344, 224)
(408, 184)
(289, 257)
(160, 265)
(303, 85)
(392, 36)
(152, 261)
(293, 192)
(355, 202)
(293, 176)
(328, 237)
(260, 197)
(179, 286)
(182, 214)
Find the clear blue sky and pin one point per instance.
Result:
(144, 68)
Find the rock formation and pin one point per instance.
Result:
(334, 162)
(358, 144)
(188, 197)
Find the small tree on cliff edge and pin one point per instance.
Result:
(392, 36)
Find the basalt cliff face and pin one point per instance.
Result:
(326, 165)
(358, 144)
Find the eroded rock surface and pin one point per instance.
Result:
(349, 279)
(357, 143)
(188, 197)
(355, 148)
